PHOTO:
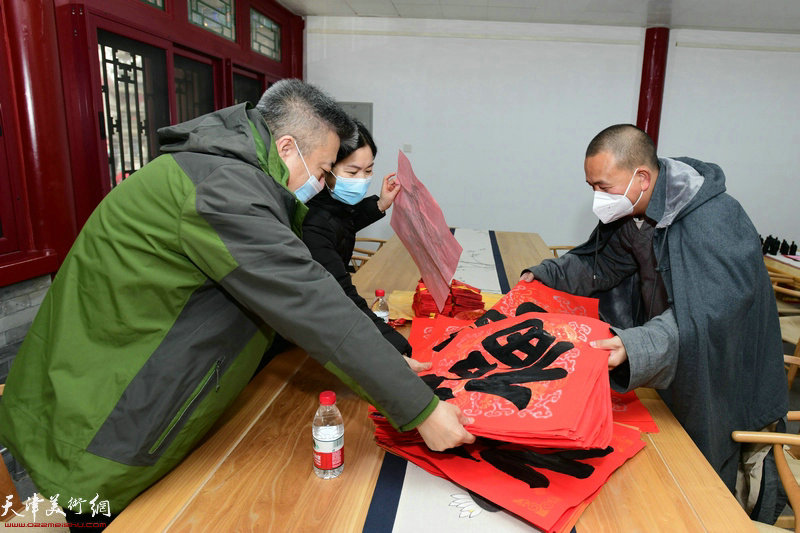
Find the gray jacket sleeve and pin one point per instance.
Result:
(274, 278)
(569, 273)
(578, 274)
(652, 354)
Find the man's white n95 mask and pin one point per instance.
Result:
(610, 207)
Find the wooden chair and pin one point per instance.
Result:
(790, 332)
(788, 468)
(787, 292)
(556, 249)
(361, 254)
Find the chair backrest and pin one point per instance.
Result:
(790, 332)
(361, 254)
(787, 477)
(787, 291)
(560, 248)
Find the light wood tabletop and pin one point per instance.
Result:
(253, 471)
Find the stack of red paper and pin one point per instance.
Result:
(462, 297)
(548, 488)
(465, 297)
(531, 379)
(540, 401)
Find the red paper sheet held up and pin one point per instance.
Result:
(419, 223)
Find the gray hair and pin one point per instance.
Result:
(630, 146)
(293, 107)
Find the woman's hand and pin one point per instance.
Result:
(389, 189)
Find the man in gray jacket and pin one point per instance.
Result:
(677, 265)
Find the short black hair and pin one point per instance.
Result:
(294, 107)
(364, 139)
(631, 146)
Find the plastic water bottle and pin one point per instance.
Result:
(328, 431)
(380, 306)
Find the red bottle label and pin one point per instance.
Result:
(329, 461)
(329, 454)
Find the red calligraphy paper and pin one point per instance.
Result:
(628, 409)
(531, 379)
(564, 482)
(420, 224)
(426, 332)
(565, 415)
(550, 300)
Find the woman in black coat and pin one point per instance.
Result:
(340, 210)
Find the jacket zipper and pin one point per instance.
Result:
(213, 372)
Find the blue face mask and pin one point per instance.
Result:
(311, 187)
(350, 190)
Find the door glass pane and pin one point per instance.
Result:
(134, 87)
(246, 89)
(194, 88)
(157, 3)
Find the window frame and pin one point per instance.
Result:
(85, 178)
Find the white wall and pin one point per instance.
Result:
(498, 115)
(734, 99)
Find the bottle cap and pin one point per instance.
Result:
(327, 397)
(380, 292)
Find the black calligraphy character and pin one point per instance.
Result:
(492, 315)
(439, 347)
(473, 366)
(528, 307)
(521, 463)
(433, 381)
(529, 338)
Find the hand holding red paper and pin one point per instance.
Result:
(417, 366)
(444, 428)
(617, 354)
(537, 391)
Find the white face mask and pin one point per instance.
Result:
(610, 207)
(311, 187)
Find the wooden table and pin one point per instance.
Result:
(253, 471)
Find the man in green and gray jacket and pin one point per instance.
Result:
(172, 292)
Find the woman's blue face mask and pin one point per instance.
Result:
(350, 190)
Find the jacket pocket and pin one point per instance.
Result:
(165, 392)
(211, 378)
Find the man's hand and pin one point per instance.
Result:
(617, 356)
(389, 189)
(444, 428)
(527, 276)
(417, 366)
